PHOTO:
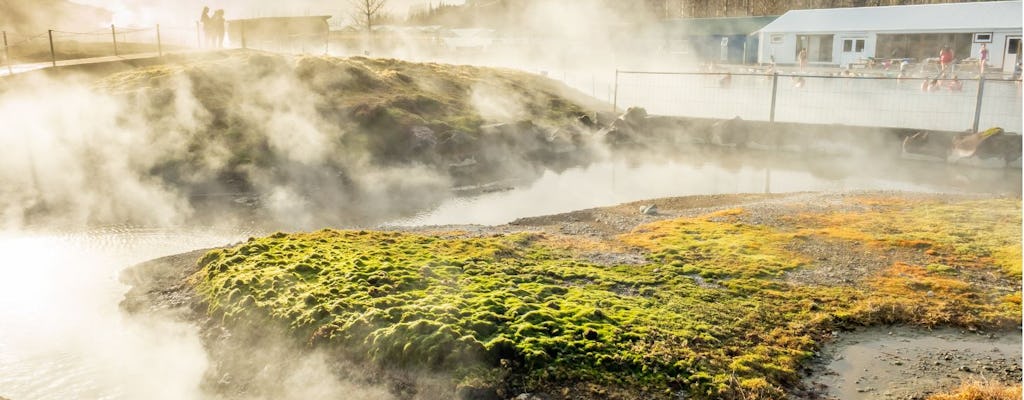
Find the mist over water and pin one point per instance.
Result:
(64, 336)
(613, 182)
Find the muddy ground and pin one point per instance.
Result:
(890, 362)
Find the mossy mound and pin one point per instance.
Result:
(324, 133)
(709, 315)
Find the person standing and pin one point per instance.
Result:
(982, 58)
(217, 22)
(204, 22)
(802, 57)
(945, 60)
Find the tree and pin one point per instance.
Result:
(367, 12)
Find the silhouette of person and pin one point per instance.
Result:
(946, 60)
(204, 20)
(802, 57)
(217, 23)
(982, 58)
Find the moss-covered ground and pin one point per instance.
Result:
(709, 314)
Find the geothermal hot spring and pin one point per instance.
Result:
(63, 335)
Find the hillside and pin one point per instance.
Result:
(283, 135)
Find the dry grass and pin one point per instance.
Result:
(981, 391)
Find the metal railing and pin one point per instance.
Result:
(57, 46)
(880, 101)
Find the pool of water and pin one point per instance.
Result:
(63, 335)
(725, 172)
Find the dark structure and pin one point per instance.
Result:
(283, 34)
(719, 40)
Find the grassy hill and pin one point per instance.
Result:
(728, 303)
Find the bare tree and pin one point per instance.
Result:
(367, 11)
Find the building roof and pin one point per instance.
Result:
(949, 17)
(727, 26)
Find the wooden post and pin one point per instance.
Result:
(775, 90)
(977, 106)
(53, 54)
(113, 34)
(615, 96)
(159, 44)
(7, 56)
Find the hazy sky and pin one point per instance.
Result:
(169, 12)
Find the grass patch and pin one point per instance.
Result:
(707, 315)
(981, 391)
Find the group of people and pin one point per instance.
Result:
(213, 28)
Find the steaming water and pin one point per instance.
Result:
(615, 182)
(63, 335)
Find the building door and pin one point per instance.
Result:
(1011, 52)
(853, 51)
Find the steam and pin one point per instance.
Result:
(184, 147)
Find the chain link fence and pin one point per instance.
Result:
(916, 103)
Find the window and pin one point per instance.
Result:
(1013, 46)
(777, 39)
(819, 47)
(983, 37)
(853, 46)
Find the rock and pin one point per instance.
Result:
(650, 209)
(924, 146)
(964, 368)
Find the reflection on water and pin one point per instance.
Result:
(64, 336)
(727, 172)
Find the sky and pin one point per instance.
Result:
(184, 12)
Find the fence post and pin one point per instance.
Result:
(53, 54)
(113, 34)
(159, 44)
(977, 106)
(775, 89)
(7, 56)
(615, 93)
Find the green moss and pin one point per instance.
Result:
(709, 314)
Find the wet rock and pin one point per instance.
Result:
(628, 127)
(476, 393)
(925, 145)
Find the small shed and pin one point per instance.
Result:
(290, 34)
(845, 36)
(724, 40)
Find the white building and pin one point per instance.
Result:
(841, 36)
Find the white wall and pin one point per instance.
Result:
(785, 52)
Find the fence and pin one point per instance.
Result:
(24, 52)
(824, 99)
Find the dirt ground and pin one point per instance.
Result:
(910, 363)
